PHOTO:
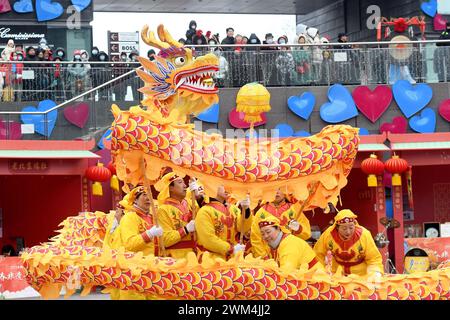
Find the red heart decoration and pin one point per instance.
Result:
(439, 22)
(77, 114)
(4, 6)
(444, 109)
(236, 119)
(15, 130)
(398, 125)
(372, 104)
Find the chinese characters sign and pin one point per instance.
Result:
(28, 166)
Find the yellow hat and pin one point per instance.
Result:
(345, 216)
(163, 186)
(269, 221)
(128, 201)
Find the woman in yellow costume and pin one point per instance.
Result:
(137, 233)
(112, 235)
(289, 218)
(289, 251)
(175, 214)
(350, 245)
(219, 223)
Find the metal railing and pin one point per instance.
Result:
(293, 65)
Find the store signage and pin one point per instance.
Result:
(22, 33)
(28, 166)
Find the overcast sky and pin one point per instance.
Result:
(177, 24)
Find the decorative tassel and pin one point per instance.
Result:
(372, 180)
(387, 32)
(396, 179)
(115, 183)
(97, 189)
(411, 32)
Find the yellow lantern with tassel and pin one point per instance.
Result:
(253, 99)
(114, 183)
(97, 174)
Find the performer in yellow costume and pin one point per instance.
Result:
(218, 224)
(350, 245)
(289, 218)
(288, 250)
(137, 232)
(112, 236)
(175, 215)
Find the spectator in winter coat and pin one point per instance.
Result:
(190, 33)
(9, 49)
(229, 39)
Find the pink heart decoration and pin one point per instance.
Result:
(372, 103)
(77, 114)
(444, 109)
(398, 125)
(4, 6)
(439, 22)
(236, 119)
(15, 130)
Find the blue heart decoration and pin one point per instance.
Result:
(341, 106)
(425, 122)
(38, 119)
(429, 8)
(302, 106)
(80, 5)
(412, 99)
(363, 132)
(284, 130)
(23, 6)
(302, 133)
(107, 136)
(47, 10)
(210, 115)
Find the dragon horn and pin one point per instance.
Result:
(165, 36)
(149, 38)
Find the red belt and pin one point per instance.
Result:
(347, 265)
(188, 244)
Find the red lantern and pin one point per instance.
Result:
(373, 167)
(396, 166)
(98, 174)
(112, 168)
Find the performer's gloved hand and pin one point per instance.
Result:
(155, 231)
(294, 225)
(238, 247)
(245, 203)
(193, 185)
(190, 227)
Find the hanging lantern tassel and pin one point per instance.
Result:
(98, 174)
(396, 166)
(97, 189)
(115, 183)
(373, 167)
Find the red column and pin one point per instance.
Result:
(397, 201)
(380, 208)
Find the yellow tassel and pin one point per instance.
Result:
(97, 189)
(372, 180)
(115, 183)
(396, 179)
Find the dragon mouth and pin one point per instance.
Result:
(198, 80)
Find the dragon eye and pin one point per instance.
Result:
(179, 61)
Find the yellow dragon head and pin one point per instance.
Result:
(175, 79)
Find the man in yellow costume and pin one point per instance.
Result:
(289, 216)
(219, 223)
(351, 246)
(289, 251)
(138, 233)
(175, 214)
